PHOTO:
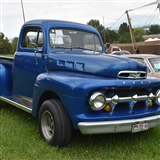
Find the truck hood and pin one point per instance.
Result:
(90, 62)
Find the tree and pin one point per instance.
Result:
(124, 38)
(138, 33)
(5, 46)
(124, 34)
(14, 44)
(111, 36)
(96, 24)
(154, 29)
(124, 28)
(1, 36)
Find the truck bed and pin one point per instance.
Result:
(23, 103)
(6, 60)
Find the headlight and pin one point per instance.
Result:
(97, 101)
(157, 97)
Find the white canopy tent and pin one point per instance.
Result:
(153, 3)
(152, 41)
(157, 2)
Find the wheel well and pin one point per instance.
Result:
(47, 95)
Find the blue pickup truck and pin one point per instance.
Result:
(61, 75)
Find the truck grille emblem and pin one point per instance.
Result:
(135, 75)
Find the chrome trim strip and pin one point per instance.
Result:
(157, 99)
(131, 100)
(134, 98)
(116, 126)
(29, 110)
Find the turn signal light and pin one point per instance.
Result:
(150, 104)
(107, 107)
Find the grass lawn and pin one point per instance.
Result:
(20, 140)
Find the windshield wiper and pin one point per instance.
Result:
(82, 48)
(66, 47)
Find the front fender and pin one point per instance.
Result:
(66, 84)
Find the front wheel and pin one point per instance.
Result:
(54, 123)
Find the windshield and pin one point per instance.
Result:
(68, 38)
(155, 62)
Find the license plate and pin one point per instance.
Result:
(140, 126)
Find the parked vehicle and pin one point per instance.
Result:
(126, 51)
(61, 75)
(151, 61)
(119, 53)
(112, 48)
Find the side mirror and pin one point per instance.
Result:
(37, 49)
(35, 45)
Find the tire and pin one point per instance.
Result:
(54, 123)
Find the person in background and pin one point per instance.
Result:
(154, 52)
(137, 51)
(134, 52)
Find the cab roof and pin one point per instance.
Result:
(60, 24)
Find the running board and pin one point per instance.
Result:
(9, 101)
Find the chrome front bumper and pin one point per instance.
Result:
(117, 126)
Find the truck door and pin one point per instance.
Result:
(28, 62)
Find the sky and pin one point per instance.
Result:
(106, 11)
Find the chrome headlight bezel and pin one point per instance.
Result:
(97, 101)
(157, 97)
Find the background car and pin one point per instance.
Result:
(151, 61)
(112, 48)
(123, 52)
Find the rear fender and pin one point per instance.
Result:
(5, 80)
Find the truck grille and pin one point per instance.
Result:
(127, 101)
(132, 74)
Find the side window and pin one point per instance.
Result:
(32, 35)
